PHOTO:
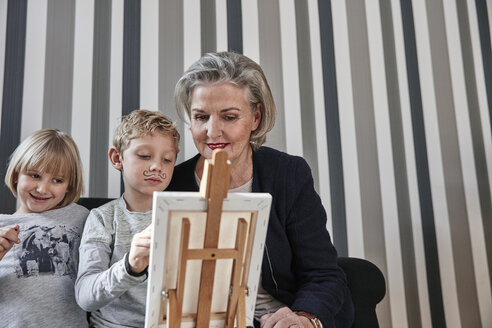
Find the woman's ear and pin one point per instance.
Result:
(115, 158)
(257, 116)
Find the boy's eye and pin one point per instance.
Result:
(142, 156)
(167, 160)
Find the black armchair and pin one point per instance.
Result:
(365, 280)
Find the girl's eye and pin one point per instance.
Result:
(34, 175)
(144, 156)
(58, 180)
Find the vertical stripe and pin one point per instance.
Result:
(12, 93)
(251, 35)
(484, 30)
(406, 177)
(192, 51)
(426, 206)
(401, 192)
(234, 26)
(170, 58)
(370, 188)
(319, 114)
(290, 78)
(34, 76)
(3, 36)
(207, 21)
(271, 62)
(58, 81)
(131, 56)
(345, 134)
(465, 98)
(149, 55)
(100, 97)
(452, 169)
(306, 93)
(115, 89)
(221, 22)
(82, 88)
(378, 71)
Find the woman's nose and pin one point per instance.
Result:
(214, 128)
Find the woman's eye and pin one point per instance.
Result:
(230, 117)
(201, 117)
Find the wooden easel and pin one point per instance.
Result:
(214, 187)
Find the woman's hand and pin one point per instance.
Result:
(284, 318)
(8, 237)
(140, 250)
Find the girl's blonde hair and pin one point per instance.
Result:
(48, 151)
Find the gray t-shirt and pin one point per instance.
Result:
(37, 276)
(103, 286)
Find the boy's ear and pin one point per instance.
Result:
(115, 158)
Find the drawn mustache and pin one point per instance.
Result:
(147, 174)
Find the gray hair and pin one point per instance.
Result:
(237, 69)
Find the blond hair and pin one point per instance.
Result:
(237, 69)
(48, 151)
(140, 123)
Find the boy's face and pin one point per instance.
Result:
(40, 191)
(147, 165)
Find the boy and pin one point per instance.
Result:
(115, 246)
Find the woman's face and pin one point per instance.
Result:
(221, 118)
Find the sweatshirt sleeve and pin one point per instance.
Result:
(99, 281)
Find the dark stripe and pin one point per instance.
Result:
(484, 30)
(58, 77)
(451, 168)
(100, 98)
(337, 189)
(131, 56)
(476, 126)
(131, 59)
(13, 85)
(400, 167)
(171, 60)
(423, 180)
(306, 92)
(234, 26)
(208, 26)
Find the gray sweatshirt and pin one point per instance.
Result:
(104, 286)
(37, 276)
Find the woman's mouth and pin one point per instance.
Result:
(217, 145)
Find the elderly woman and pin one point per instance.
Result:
(229, 105)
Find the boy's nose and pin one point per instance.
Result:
(156, 166)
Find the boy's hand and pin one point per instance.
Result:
(8, 237)
(140, 250)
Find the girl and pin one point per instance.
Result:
(39, 242)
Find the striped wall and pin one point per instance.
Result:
(389, 101)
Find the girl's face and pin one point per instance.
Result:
(40, 191)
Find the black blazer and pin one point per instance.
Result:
(300, 262)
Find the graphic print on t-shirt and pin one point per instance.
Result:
(45, 250)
